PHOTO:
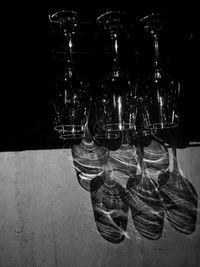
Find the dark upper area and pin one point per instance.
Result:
(32, 56)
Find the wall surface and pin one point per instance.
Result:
(46, 218)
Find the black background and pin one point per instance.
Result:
(32, 56)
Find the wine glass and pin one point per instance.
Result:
(114, 106)
(70, 96)
(160, 90)
(142, 121)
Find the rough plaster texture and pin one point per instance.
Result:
(46, 218)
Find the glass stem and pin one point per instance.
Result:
(156, 64)
(69, 45)
(115, 51)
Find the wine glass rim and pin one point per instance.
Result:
(70, 131)
(159, 125)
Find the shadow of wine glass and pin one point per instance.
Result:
(110, 206)
(89, 160)
(179, 197)
(145, 204)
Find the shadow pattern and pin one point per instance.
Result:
(180, 199)
(110, 206)
(135, 177)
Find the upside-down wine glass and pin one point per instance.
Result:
(115, 104)
(160, 90)
(70, 100)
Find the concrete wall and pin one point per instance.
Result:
(46, 218)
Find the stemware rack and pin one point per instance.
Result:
(34, 56)
(92, 50)
(92, 46)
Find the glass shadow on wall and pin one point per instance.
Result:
(135, 177)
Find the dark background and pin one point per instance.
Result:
(32, 56)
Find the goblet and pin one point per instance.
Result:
(114, 106)
(160, 90)
(70, 100)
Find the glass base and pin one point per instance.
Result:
(70, 131)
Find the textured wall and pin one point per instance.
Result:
(46, 218)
